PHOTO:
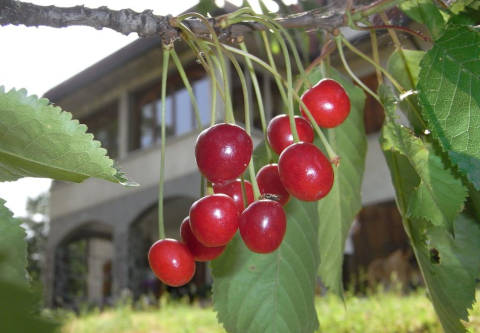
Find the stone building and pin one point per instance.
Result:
(100, 232)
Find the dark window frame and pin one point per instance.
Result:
(151, 93)
(101, 118)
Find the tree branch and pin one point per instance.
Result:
(146, 23)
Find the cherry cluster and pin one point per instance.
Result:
(223, 153)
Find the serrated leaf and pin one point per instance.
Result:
(13, 248)
(404, 65)
(271, 292)
(451, 281)
(38, 139)
(439, 195)
(425, 12)
(19, 308)
(338, 209)
(448, 92)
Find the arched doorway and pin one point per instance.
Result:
(143, 232)
(83, 267)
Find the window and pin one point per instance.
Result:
(103, 124)
(179, 117)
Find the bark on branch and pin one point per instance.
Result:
(146, 23)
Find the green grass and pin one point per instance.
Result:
(382, 312)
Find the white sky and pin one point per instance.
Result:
(40, 58)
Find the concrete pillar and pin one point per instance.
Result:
(123, 108)
(100, 252)
(120, 259)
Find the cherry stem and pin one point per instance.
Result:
(253, 179)
(331, 153)
(273, 66)
(244, 193)
(334, 158)
(398, 45)
(241, 76)
(187, 85)
(229, 117)
(259, 98)
(376, 57)
(367, 58)
(397, 85)
(327, 48)
(202, 52)
(288, 65)
(243, 83)
(209, 188)
(338, 40)
(161, 225)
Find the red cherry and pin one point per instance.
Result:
(328, 103)
(305, 172)
(199, 251)
(280, 136)
(223, 152)
(214, 219)
(234, 190)
(262, 226)
(269, 182)
(172, 262)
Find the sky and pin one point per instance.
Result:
(38, 59)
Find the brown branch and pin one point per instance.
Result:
(124, 21)
(396, 27)
(146, 23)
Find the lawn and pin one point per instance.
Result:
(382, 312)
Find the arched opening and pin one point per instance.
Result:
(142, 234)
(83, 267)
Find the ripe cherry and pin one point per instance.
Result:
(305, 172)
(280, 136)
(172, 262)
(223, 152)
(234, 190)
(199, 251)
(214, 219)
(262, 226)
(269, 182)
(328, 103)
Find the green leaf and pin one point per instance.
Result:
(271, 292)
(13, 248)
(439, 195)
(18, 306)
(460, 5)
(338, 209)
(451, 280)
(448, 92)
(38, 139)
(425, 12)
(404, 65)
